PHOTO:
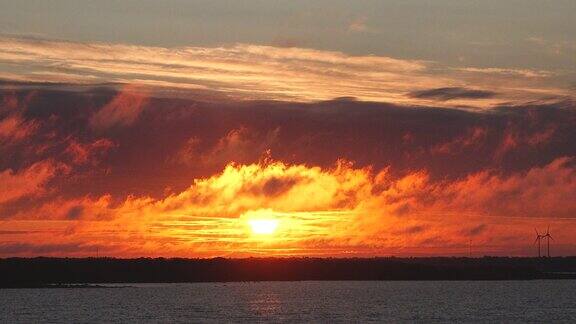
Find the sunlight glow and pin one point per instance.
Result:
(263, 226)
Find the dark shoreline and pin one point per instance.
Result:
(62, 286)
(77, 273)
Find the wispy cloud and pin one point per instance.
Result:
(358, 25)
(27, 182)
(265, 72)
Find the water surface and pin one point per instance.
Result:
(306, 301)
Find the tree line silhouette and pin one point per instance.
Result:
(41, 271)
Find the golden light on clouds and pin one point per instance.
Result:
(249, 71)
(263, 226)
(267, 209)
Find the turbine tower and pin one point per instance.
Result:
(538, 239)
(547, 236)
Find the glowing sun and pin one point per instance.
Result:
(263, 226)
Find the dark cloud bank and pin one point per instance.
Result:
(126, 142)
(451, 93)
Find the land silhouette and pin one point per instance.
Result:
(63, 272)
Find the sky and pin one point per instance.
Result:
(342, 129)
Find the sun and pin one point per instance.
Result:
(263, 226)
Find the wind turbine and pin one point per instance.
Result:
(538, 239)
(547, 236)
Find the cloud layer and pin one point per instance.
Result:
(278, 73)
(131, 172)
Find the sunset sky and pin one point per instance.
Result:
(207, 128)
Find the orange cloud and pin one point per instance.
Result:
(82, 153)
(123, 110)
(517, 137)
(239, 145)
(26, 182)
(13, 129)
(474, 137)
(546, 191)
(338, 211)
(13, 126)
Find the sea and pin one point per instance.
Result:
(536, 301)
